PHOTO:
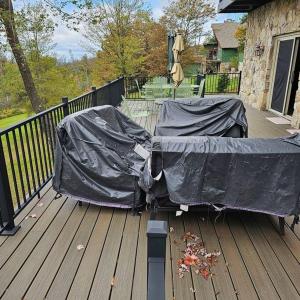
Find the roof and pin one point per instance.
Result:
(225, 34)
(237, 6)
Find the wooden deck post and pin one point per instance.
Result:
(156, 257)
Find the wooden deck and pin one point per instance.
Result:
(43, 261)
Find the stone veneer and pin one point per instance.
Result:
(273, 19)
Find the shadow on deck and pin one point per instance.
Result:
(66, 251)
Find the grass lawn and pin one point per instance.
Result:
(7, 122)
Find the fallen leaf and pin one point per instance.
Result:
(80, 247)
(113, 281)
(33, 216)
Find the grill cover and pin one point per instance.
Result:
(213, 116)
(95, 159)
(260, 175)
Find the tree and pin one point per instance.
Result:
(189, 17)
(7, 18)
(111, 28)
(35, 28)
(155, 47)
(240, 35)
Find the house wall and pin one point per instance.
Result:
(228, 54)
(276, 18)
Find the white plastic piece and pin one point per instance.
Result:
(141, 151)
(184, 207)
(179, 213)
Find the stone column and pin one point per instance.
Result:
(296, 115)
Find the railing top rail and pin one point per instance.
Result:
(41, 114)
(28, 120)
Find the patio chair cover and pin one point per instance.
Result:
(260, 175)
(95, 160)
(206, 116)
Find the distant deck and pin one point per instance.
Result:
(43, 261)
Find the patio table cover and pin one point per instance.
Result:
(213, 116)
(260, 175)
(96, 159)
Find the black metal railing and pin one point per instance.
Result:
(27, 151)
(215, 83)
(222, 83)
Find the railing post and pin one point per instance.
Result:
(240, 79)
(6, 204)
(94, 96)
(65, 101)
(157, 232)
(203, 91)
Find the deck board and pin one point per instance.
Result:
(42, 259)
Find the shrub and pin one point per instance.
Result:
(10, 112)
(223, 83)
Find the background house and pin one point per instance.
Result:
(223, 53)
(270, 78)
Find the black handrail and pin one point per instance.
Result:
(27, 151)
(215, 83)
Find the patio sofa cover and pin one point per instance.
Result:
(260, 175)
(96, 159)
(214, 116)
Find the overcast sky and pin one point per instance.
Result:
(68, 40)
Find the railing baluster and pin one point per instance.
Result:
(19, 165)
(11, 161)
(30, 158)
(39, 151)
(35, 154)
(49, 121)
(47, 143)
(24, 161)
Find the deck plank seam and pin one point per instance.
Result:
(135, 259)
(283, 267)
(25, 259)
(84, 250)
(238, 249)
(96, 269)
(120, 246)
(259, 256)
(50, 248)
(223, 253)
(26, 233)
(52, 281)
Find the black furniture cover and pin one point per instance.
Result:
(260, 175)
(96, 160)
(214, 116)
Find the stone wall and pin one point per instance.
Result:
(276, 18)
